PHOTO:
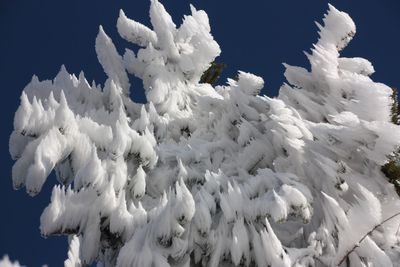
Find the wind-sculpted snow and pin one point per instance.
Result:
(5, 262)
(212, 176)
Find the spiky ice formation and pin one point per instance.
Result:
(212, 176)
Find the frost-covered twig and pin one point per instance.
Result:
(365, 236)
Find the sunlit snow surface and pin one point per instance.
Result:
(212, 175)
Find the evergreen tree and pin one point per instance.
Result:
(212, 74)
(213, 176)
(392, 168)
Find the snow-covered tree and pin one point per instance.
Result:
(213, 176)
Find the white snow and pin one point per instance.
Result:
(6, 262)
(214, 176)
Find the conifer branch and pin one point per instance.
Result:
(356, 245)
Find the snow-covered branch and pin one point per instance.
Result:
(212, 175)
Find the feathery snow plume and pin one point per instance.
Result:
(204, 176)
(73, 253)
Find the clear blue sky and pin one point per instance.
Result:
(255, 36)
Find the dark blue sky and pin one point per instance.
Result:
(255, 36)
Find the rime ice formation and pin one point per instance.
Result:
(212, 176)
(5, 262)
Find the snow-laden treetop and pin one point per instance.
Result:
(211, 176)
